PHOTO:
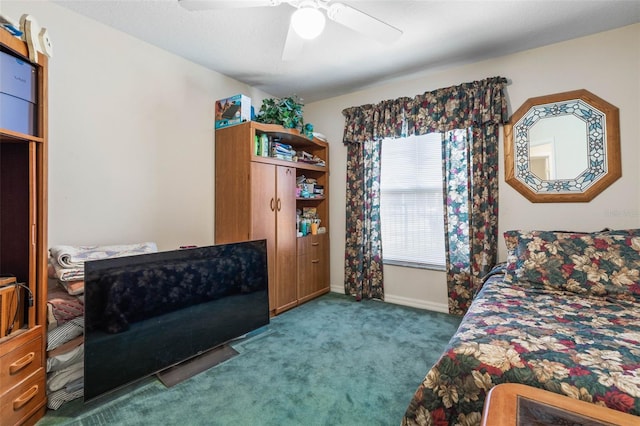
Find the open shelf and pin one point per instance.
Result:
(297, 164)
(7, 135)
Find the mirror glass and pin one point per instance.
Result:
(562, 147)
(558, 145)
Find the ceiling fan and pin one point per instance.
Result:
(307, 21)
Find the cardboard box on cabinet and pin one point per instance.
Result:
(233, 110)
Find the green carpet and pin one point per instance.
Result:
(331, 361)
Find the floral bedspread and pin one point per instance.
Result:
(585, 347)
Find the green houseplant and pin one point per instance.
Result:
(284, 111)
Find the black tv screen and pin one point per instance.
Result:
(148, 312)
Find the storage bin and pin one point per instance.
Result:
(17, 94)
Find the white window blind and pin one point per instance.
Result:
(411, 201)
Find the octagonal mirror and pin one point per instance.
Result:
(563, 147)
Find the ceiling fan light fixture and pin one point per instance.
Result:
(308, 22)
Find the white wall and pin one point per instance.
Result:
(607, 64)
(130, 135)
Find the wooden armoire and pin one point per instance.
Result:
(23, 232)
(256, 198)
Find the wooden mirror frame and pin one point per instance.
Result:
(598, 115)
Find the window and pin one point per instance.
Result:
(411, 213)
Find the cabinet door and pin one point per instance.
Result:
(320, 264)
(263, 217)
(286, 291)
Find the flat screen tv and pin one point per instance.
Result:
(148, 312)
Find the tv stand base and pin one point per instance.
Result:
(187, 369)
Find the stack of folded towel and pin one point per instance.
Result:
(65, 310)
(67, 262)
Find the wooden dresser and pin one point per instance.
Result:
(23, 231)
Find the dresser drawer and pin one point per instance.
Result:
(312, 245)
(23, 400)
(24, 358)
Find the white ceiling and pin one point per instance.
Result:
(246, 44)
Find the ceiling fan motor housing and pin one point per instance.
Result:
(307, 21)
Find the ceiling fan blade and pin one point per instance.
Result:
(363, 23)
(225, 4)
(292, 46)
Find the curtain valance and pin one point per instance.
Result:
(456, 107)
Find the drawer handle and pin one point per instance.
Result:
(22, 363)
(315, 244)
(315, 261)
(23, 399)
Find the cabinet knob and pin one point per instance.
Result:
(21, 363)
(315, 261)
(315, 244)
(23, 399)
(279, 204)
(272, 205)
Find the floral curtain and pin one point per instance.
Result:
(455, 162)
(363, 253)
(470, 164)
(479, 106)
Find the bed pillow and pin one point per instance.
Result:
(511, 239)
(603, 264)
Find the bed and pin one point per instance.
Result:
(562, 314)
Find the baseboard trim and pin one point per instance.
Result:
(414, 303)
(406, 301)
(336, 289)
